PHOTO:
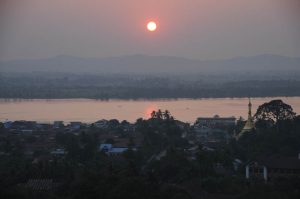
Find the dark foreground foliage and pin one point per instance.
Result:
(87, 173)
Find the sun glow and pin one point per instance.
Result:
(149, 110)
(151, 26)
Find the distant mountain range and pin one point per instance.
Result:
(142, 64)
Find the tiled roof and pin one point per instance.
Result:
(280, 162)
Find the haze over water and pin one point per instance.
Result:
(86, 110)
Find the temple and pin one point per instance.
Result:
(249, 126)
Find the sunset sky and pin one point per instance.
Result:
(197, 29)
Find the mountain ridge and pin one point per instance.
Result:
(145, 64)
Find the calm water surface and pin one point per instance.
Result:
(87, 110)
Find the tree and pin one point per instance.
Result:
(125, 123)
(166, 115)
(274, 111)
(113, 123)
(159, 114)
(153, 114)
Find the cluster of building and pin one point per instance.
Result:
(208, 131)
(23, 126)
(36, 136)
(214, 129)
(273, 167)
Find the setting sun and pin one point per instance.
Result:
(151, 26)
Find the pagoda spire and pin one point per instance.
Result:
(250, 110)
(249, 126)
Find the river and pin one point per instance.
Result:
(87, 110)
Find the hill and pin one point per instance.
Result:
(142, 64)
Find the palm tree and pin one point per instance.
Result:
(159, 114)
(153, 114)
(166, 115)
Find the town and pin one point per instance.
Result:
(163, 157)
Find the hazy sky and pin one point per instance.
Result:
(198, 29)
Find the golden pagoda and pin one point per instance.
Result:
(249, 126)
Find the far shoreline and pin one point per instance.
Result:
(138, 99)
